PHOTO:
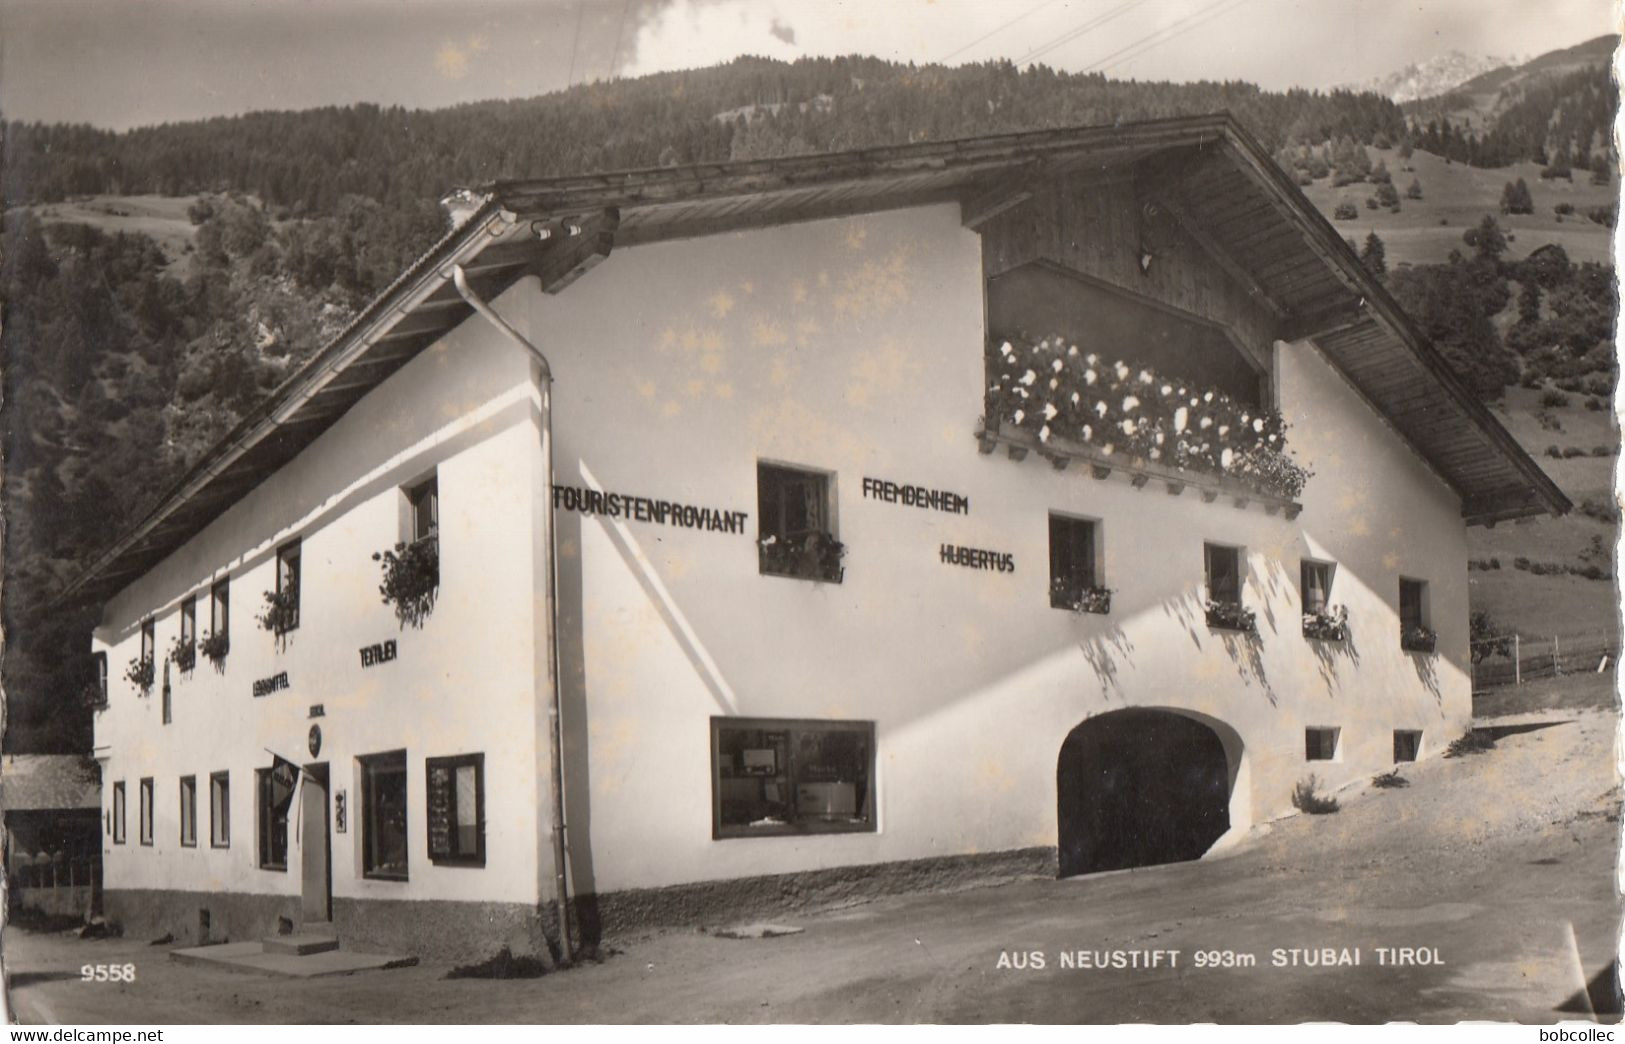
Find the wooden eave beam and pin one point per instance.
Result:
(1008, 192)
(1322, 321)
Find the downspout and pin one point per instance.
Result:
(555, 720)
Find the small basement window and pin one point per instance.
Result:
(1320, 743)
(272, 805)
(796, 519)
(1074, 565)
(774, 776)
(146, 811)
(383, 816)
(456, 809)
(1407, 744)
(118, 812)
(220, 810)
(189, 811)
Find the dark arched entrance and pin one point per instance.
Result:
(1137, 788)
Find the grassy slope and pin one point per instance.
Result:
(1547, 605)
(161, 217)
(1459, 196)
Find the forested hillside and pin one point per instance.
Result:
(124, 356)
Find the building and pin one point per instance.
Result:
(832, 597)
(52, 809)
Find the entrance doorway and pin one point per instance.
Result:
(316, 857)
(1138, 788)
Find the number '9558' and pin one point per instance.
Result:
(107, 973)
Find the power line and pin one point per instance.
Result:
(1077, 31)
(575, 45)
(615, 55)
(998, 29)
(1151, 41)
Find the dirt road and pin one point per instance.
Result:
(1499, 865)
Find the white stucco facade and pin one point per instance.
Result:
(852, 346)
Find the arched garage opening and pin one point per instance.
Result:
(1140, 787)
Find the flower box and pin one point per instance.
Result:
(1418, 640)
(183, 655)
(215, 647)
(1231, 616)
(411, 579)
(815, 555)
(1058, 394)
(281, 612)
(1080, 599)
(93, 695)
(1327, 625)
(141, 672)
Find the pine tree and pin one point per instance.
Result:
(1414, 189)
(1374, 257)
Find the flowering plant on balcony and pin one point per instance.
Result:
(1418, 639)
(183, 654)
(814, 555)
(1231, 616)
(281, 612)
(1054, 390)
(411, 579)
(215, 646)
(1330, 624)
(1081, 598)
(141, 673)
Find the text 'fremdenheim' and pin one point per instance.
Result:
(915, 496)
(645, 509)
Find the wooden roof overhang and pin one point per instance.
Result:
(1210, 175)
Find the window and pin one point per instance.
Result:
(791, 777)
(220, 609)
(273, 819)
(456, 809)
(1222, 569)
(146, 811)
(796, 519)
(1073, 571)
(1407, 744)
(423, 510)
(149, 640)
(98, 665)
(1223, 574)
(1414, 632)
(383, 816)
(1320, 744)
(118, 812)
(189, 811)
(1316, 581)
(188, 621)
(220, 810)
(287, 587)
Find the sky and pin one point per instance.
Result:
(126, 63)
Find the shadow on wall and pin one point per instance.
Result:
(1427, 669)
(1102, 652)
(1246, 651)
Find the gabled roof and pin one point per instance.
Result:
(41, 782)
(1218, 182)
